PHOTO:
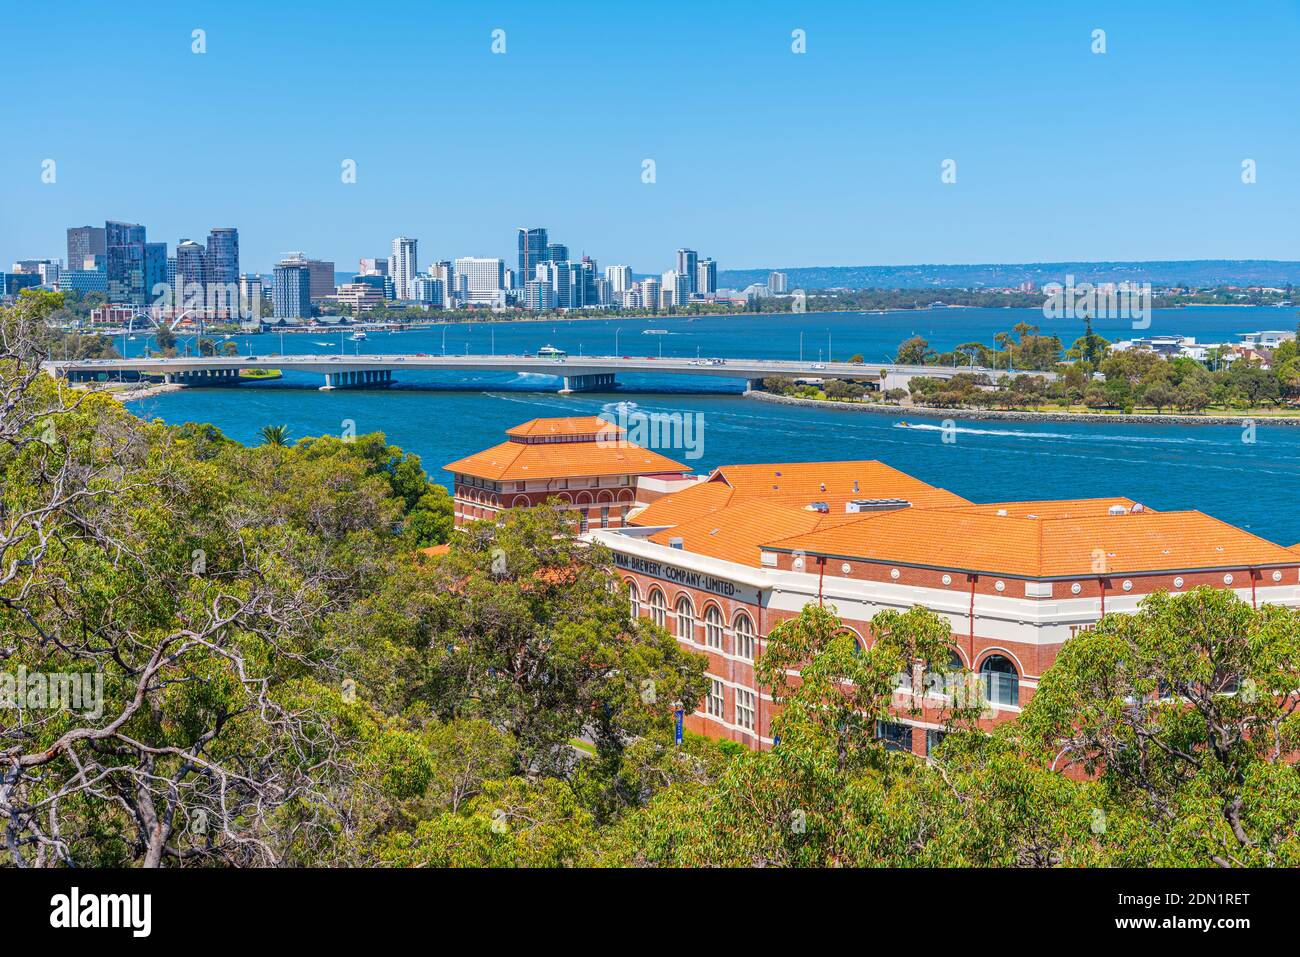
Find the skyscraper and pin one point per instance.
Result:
(191, 274)
(403, 265)
(532, 250)
(706, 277)
(557, 252)
(776, 283)
(320, 271)
(223, 255)
(620, 278)
(124, 256)
(84, 242)
(291, 291)
(155, 271)
(687, 264)
(483, 278)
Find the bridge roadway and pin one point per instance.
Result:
(580, 373)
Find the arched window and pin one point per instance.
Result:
(658, 608)
(744, 637)
(634, 599)
(1001, 681)
(713, 627)
(685, 619)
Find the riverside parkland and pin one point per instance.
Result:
(579, 374)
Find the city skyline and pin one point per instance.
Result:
(832, 156)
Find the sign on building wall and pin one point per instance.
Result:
(686, 578)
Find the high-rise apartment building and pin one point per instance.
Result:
(191, 271)
(374, 267)
(706, 278)
(403, 265)
(291, 291)
(776, 283)
(649, 289)
(620, 278)
(222, 260)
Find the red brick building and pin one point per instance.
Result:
(586, 464)
(720, 561)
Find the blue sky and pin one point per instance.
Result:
(763, 157)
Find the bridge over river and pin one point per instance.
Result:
(579, 373)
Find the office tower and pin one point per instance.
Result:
(588, 274)
(482, 278)
(776, 283)
(156, 285)
(124, 258)
(557, 252)
(687, 265)
(223, 255)
(291, 291)
(82, 281)
(362, 297)
(508, 279)
(706, 277)
(191, 274)
(374, 267)
(84, 242)
(403, 265)
(532, 250)
(620, 278)
(320, 272)
(604, 296)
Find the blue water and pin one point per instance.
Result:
(442, 417)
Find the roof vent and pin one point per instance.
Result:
(1118, 510)
(853, 506)
(1137, 507)
(823, 486)
(674, 543)
(1002, 512)
(855, 486)
(819, 506)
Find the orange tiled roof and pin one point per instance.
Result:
(735, 534)
(1055, 508)
(965, 540)
(568, 425)
(516, 461)
(796, 484)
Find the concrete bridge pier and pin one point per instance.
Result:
(592, 382)
(358, 379)
(204, 377)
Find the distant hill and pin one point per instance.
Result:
(1193, 272)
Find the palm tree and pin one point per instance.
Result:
(275, 435)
